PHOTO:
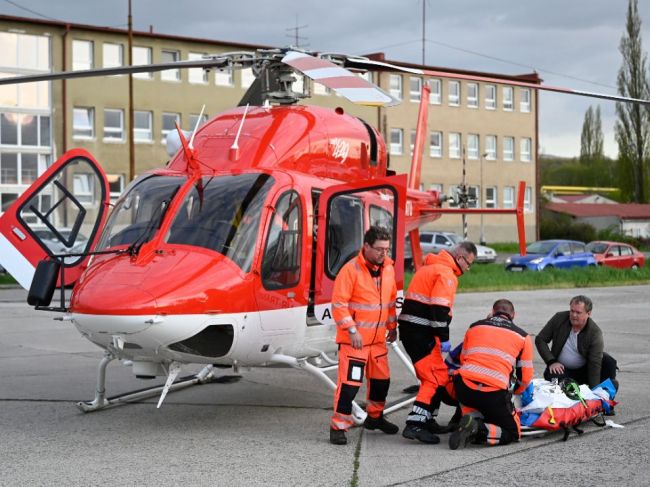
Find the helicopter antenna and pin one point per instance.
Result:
(234, 148)
(196, 127)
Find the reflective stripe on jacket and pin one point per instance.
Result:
(357, 300)
(496, 351)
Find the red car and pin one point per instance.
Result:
(616, 254)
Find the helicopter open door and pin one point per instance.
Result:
(345, 213)
(61, 213)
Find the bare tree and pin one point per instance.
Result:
(632, 126)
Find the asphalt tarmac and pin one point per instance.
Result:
(271, 427)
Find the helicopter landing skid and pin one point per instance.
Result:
(204, 376)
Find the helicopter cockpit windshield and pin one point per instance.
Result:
(223, 214)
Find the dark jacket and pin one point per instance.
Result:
(590, 343)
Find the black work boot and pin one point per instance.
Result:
(433, 426)
(455, 419)
(337, 437)
(380, 424)
(420, 433)
(467, 430)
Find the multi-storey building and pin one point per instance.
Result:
(492, 126)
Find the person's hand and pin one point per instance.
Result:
(445, 346)
(391, 336)
(356, 340)
(556, 368)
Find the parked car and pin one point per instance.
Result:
(546, 254)
(616, 254)
(434, 242)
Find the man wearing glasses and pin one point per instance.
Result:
(363, 306)
(423, 327)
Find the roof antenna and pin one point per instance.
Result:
(234, 148)
(196, 127)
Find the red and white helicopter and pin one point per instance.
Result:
(227, 255)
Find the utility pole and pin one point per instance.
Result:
(131, 144)
(424, 4)
(482, 200)
(294, 33)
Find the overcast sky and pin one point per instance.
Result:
(570, 43)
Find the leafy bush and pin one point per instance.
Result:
(562, 226)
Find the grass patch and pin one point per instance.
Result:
(7, 279)
(494, 277)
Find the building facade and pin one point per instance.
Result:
(492, 127)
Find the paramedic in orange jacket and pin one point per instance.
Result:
(496, 360)
(423, 326)
(363, 306)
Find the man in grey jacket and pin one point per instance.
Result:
(576, 346)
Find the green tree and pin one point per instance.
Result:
(591, 140)
(632, 125)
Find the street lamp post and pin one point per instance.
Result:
(482, 237)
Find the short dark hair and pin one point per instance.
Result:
(375, 233)
(505, 307)
(584, 300)
(468, 247)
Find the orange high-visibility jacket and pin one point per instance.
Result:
(497, 354)
(357, 300)
(430, 295)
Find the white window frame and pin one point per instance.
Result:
(83, 55)
(509, 197)
(436, 91)
(224, 77)
(415, 89)
(490, 97)
(453, 93)
(491, 201)
(508, 148)
(114, 130)
(196, 76)
(396, 142)
(163, 130)
(412, 144)
(171, 75)
(491, 147)
(89, 127)
(143, 135)
(435, 150)
(455, 141)
(116, 178)
(145, 52)
(473, 146)
(528, 199)
(525, 149)
(508, 101)
(524, 100)
(395, 85)
(83, 187)
(472, 95)
(107, 47)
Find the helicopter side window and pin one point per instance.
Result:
(281, 263)
(344, 231)
(380, 217)
(139, 213)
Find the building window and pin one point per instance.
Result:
(26, 130)
(6, 200)
(491, 197)
(472, 146)
(83, 187)
(194, 117)
(509, 197)
(396, 141)
(415, 89)
(491, 147)
(413, 132)
(170, 74)
(115, 184)
(24, 51)
(142, 56)
(472, 95)
(524, 102)
(528, 199)
(113, 55)
(436, 92)
(224, 77)
(508, 98)
(113, 125)
(319, 89)
(454, 145)
(8, 168)
(247, 77)
(83, 123)
(395, 81)
(490, 97)
(169, 121)
(196, 76)
(454, 93)
(508, 148)
(525, 146)
(142, 126)
(82, 55)
(435, 148)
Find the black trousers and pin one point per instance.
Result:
(607, 371)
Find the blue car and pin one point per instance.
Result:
(546, 254)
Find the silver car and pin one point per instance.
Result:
(434, 242)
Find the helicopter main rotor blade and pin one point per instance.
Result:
(342, 81)
(363, 63)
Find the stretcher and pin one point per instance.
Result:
(553, 406)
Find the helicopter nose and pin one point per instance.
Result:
(112, 298)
